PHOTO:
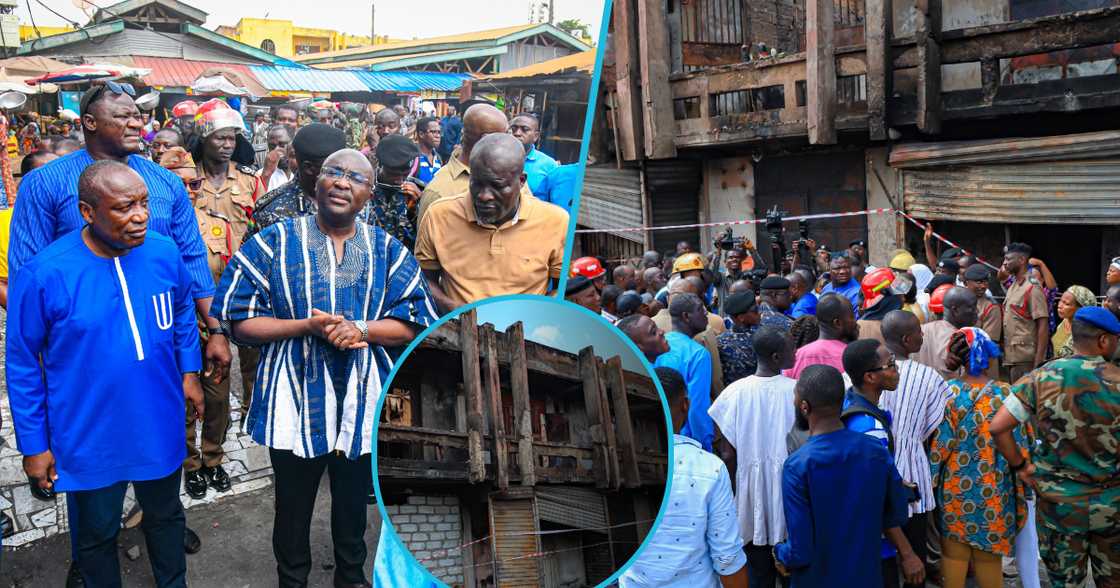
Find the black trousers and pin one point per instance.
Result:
(297, 484)
(915, 530)
(890, 572)
(95, 523)
(761, 572)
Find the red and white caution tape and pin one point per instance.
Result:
(918, 223)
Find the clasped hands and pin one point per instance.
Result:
(336, 330)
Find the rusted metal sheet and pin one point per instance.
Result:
(581, 508)
(513, 525)
(1083, 192)
(612, 198)
(1094, 145)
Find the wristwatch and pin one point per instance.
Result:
(363, 328)
(215, 331)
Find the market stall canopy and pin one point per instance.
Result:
(16, 83)
(227, 81)
(32, 66)
(90, 72)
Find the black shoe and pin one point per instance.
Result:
(7, 527)
(196, 484)
(219, 479)
(74, 577)
(342, 584)
(40, 493)
(192, 543)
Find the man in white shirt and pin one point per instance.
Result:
(275, 172)
(754, 414)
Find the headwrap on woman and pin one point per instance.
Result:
(1062, 340)
(981, 349)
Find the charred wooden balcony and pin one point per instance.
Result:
(857, 79)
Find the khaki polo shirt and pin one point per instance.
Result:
(451, 179)
(1025, 303)
(479, 261)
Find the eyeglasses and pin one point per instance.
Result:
(891, 363)
(194, 184)
(337, 173)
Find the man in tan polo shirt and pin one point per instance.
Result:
(1026, 317)
(454, 177)
(494, 239)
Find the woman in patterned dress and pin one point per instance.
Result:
(982, 505)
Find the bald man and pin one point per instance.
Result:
(78, 427)
(495, 239)
(960, 312)
(454, 177)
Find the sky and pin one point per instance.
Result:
(394, 18)
(562, 326)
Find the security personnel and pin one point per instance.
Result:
(224, 207)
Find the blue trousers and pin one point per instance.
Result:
(95, 523)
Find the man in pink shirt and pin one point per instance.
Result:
(838, 328)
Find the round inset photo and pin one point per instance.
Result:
(522, 442)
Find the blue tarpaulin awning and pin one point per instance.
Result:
(304, 79)
(411, 81)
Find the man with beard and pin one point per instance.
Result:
(874, 369)
(838, 328)
(495, 239)
(454, 178)
(960, 312)
(312, 144)
(527, 129)
(838, 492)
(275, 171)
(841, 282)
(427, 139)
(395, 191)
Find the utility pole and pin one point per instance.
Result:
(550, 11)
(372, 24)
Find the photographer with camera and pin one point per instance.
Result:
(741, 259)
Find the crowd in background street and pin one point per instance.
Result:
(883, 425)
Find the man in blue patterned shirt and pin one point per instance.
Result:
(331, 302)
(775, 303)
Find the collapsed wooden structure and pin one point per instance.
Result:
(550, 465)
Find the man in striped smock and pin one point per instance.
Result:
(331, 302)
(917, 407)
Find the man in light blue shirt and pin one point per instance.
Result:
(840, 273)
(527, 129)
(697, 544)
(693, 362)
(562, 185)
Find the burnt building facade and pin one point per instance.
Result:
(504, 462)
(994, 119)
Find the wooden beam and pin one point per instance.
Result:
(631, 477)
(522, 413)
(929, 66)
(653, 57)
(615, 475)
(597, 423)
(820, 75)
(472, 385)
(880, 74)
(627, 80)
(499, 450)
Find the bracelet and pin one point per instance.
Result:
(215, 331)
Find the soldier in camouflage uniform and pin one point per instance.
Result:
(1074, 405)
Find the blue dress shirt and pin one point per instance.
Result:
(838, 494)
(872, 427)
(538, 165)
(694, 364)
(806, 305)
(562, 185)
(698, 539)
(48, 209)
(849, 291)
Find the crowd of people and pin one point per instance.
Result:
(137, 263)
(881, 425)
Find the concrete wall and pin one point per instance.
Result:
(955, 14)
(885, 232)
(430, 527)
(728, 195)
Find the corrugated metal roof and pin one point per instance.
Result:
(407, 81)
(487, 35)
(583, 61)
(300, 79)
(182, 72)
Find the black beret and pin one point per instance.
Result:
(976, 272)
(318, 141)
(938, 280)
(949, 264)
(952, 253)
(739, 303)
(774, 283)
(859, 242)
(576, 285)
(396, 151)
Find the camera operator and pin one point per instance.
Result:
(741, 258)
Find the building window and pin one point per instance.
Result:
(269, 46)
